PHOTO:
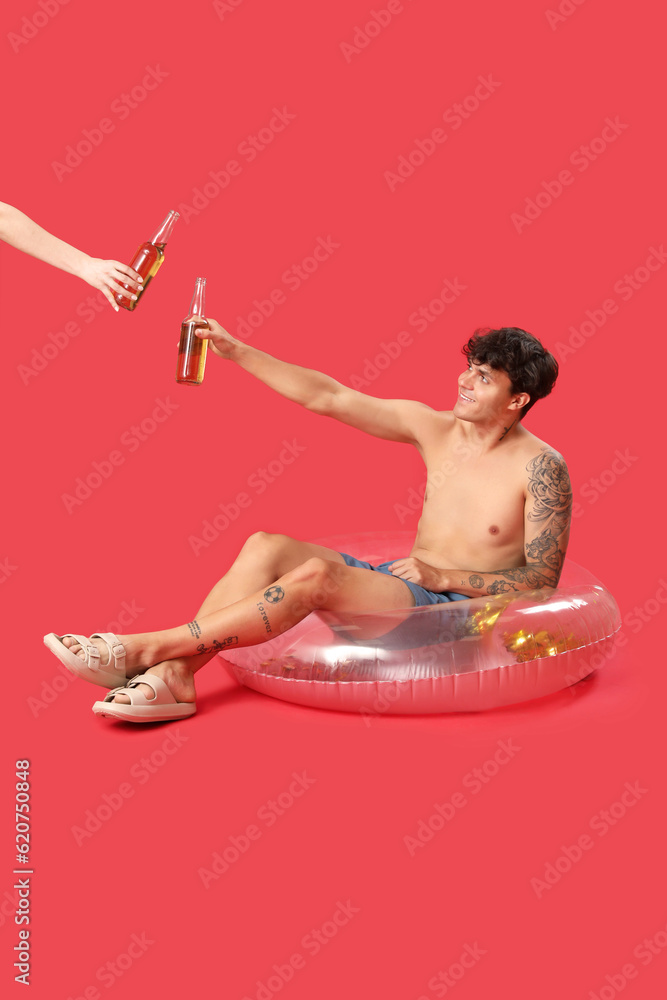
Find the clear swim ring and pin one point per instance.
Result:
(463, 656)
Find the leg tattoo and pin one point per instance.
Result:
(265, 617)
(231, 640)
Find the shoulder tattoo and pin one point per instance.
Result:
(549, 485)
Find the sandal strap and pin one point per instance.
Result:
(116, 650)
(162, 693)
(112, 691)
(129, 691)
(92, 652)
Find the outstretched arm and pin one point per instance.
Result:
(24, 234)
(392, 419)
(547, 516)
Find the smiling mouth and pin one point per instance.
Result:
(468, 399)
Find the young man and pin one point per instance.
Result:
(496, 518)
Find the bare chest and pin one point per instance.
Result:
(477, 501)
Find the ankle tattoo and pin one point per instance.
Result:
(195, 630)
(231, 640)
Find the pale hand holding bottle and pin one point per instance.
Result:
(147, 261)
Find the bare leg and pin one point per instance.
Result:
(262, 615)
(262, 560)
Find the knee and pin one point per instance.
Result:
(318, 577)
(263, 543)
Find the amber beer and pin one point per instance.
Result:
(147, 262)
(192, 349)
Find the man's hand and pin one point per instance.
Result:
(107, 275)
(219, 341)
(420, 573)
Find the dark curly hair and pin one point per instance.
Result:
(529, 367)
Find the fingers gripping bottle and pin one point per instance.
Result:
(147, 262)
(191, 349)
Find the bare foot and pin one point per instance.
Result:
(176, 674)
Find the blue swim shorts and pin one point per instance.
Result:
(421, 596)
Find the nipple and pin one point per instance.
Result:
(494, 529)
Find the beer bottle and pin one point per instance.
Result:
(192, 349)
(147, 262)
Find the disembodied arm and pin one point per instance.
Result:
(24, 234)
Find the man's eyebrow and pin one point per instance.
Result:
(487, 372)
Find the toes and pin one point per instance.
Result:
(144, 689)
(74, 647)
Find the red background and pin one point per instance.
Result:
(324, 175)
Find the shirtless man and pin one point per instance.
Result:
(496, 518)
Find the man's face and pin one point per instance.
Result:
(484, 394)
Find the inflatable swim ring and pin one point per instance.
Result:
(461, 656)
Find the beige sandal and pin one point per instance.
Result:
(109, 675)
(162, 708)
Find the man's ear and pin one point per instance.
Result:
(519, 401)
